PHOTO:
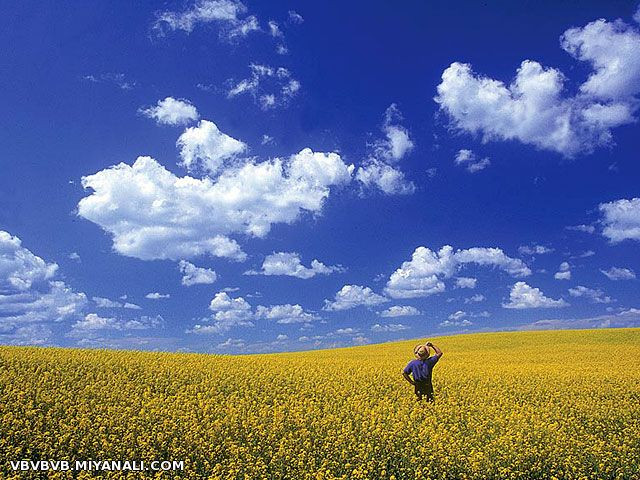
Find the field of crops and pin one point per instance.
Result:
(527, 405)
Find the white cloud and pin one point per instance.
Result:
(295, 17)
(621, 220)
(206, 147)
(624, 319)
(467, 159)
(524, 296)
(120, 80)
(564, 272)
(74, 256)
(397, 142)
(226, 13)
(478, 297)
(270, 87)
(156, 295)
(19, 268)
(534, 249)
(172, 111)
(132, 306)
(619, 273)
(596, 296)
(351, 296)
(391, 327)
(153, 214)
(456, 320)
(93, 321)
(245, 27)
(377, 171)
(423, 275)
(386, 177)
(285, 314)
(459, 315)
(534, 110)
(266, 139)
(274, 29)
(95, 331)
(290, 264)
(466, 282)
(400, 311)
(613, 51)
(29, 295)
(582, 228)
(228, 313)
(562, 275)
(192, 275)
(34, 334)
(102, 302)
(52, 301)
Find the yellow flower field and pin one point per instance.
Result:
(525, 405)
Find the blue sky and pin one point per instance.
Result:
(231, 177)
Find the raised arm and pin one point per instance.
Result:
(435, 349)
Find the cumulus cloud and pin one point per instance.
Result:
(391, 327)
(524, 296)
(379, 171)
(270, 87)
(51, 301)
(619, 273)
(230, 312)
(172, 111)
(621, 220)
(205, 147)
(535, 110)
(290, 264)
(595, 295)
(91, 329)
(564, 272)
(351, 296)
(387, 178)
(456, 320)
(226, 13)
(192, 275)
(19, 268)
(397, 142)
(467, 159)
(227, 313)
(424, 274)
(92, 321)
(153, 214)
(30, 297)
(400, 311)
(285, 314)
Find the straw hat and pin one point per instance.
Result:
(421, 350)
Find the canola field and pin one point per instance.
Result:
(519, 405)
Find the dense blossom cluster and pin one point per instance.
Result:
(535, 405)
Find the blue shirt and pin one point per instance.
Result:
(421, 369)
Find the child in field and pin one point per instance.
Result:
(421, 368)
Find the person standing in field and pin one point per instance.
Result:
(420, 369)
